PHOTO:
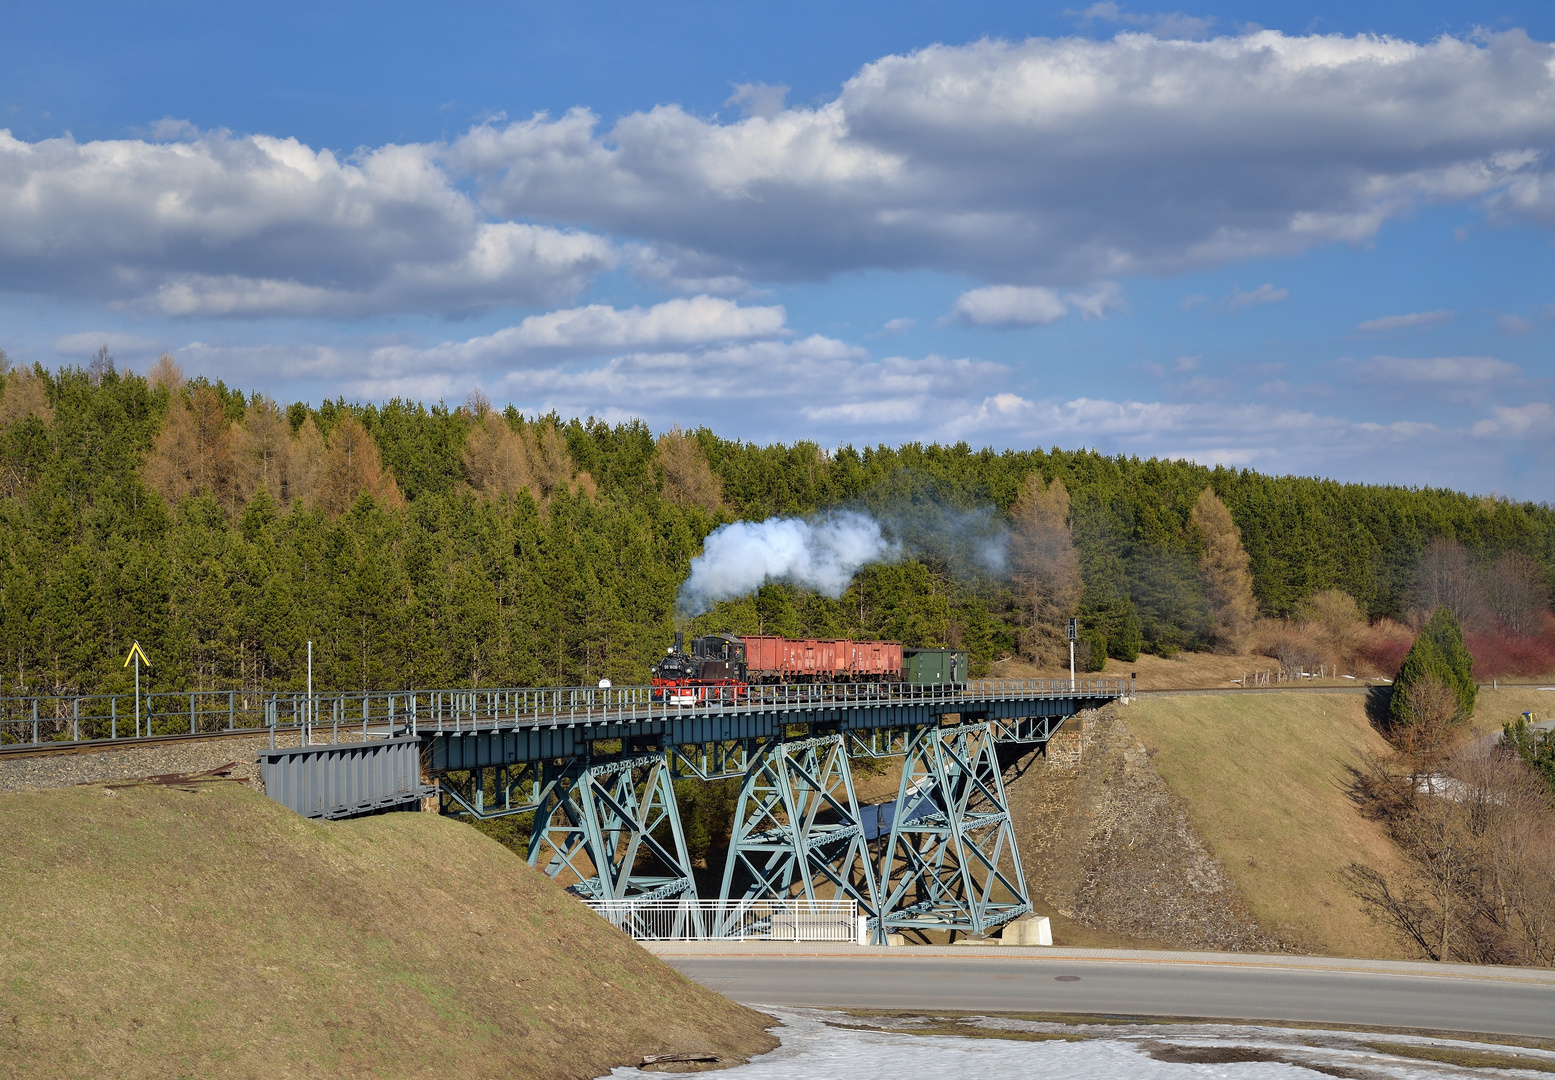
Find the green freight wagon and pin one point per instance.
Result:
(930, 667)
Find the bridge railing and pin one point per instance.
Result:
(471, 710)
(337, 716)
(734, 920)
(49, 718)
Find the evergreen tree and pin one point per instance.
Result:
(465, 563)
(1438, 654)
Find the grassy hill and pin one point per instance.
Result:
(155, 931)
(1265, 779)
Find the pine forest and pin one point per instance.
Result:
(435, 546)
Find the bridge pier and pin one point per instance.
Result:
(594, 819)
(796, 828)
(950, 862)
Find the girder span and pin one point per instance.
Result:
(610, 830)
(950, 861)
(796, 830)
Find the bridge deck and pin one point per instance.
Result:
(553, 721)
(524, 729)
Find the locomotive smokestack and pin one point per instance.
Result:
(680, 641)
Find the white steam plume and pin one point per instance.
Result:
(822, 555)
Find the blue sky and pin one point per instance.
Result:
(1302, 238)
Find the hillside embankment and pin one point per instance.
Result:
(1214, 821)
(203, 930)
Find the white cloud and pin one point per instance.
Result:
(1096, 302)
(1055, 162)
(1032, 305)
(674, 322)
(1009, 305)
(758, 99)
(83, 344)
(1518, 420)
(1415, 320)
(1271, 438)
(1263, 294)
(1452, 370)
(595, 330)
(1514, 325)
(218, 224)
(1043, 162)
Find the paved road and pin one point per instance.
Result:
(1133, 988)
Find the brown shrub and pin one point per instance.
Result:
(1479, 835)
(1337, 619)
(1383, 646)
(1297, 646)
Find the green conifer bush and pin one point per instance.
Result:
(1438, 654)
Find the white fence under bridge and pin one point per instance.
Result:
(747, 920)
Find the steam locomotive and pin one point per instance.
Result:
(723, 660)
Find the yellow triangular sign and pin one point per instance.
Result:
(136, 650)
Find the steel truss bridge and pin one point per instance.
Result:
(595, 770)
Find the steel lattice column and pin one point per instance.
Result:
(951, 862)
(796, 828)
(596, 820)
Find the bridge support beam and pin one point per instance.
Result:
(796, 828)
(596, 821)
(950, 862)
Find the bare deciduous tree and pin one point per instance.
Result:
(1045, 567)
(1480, 848)
(193, 451)
(498, 460)
(1514, 593)
(24, 396)
(167, 374)
(688, 479)
(101, 364)
(1223, 568)
(351, 466)
(261, 453)
(1448, 578)
(1437, 726)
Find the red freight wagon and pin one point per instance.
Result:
(783, 660)
(875, 660)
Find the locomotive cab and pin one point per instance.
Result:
(721, 658)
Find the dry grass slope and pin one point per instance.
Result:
(161, 932)
(1265, 779)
